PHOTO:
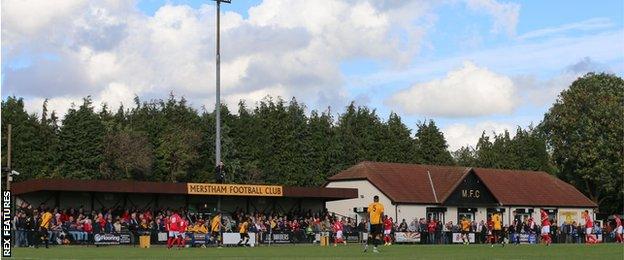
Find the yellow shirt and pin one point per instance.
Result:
(465, 225)
(46, 219)
(496, 219)
(201, 228)
(243, 227)
(375, 210)
(215, 224)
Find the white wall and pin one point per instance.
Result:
(366, 192)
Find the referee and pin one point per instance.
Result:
(375, 211)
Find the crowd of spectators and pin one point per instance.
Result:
(78, 226)
(433, 231)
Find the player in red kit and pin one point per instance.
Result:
(387, 230)
(182, 233)
(589, 227)
(337, 227)
(545, 228)
(174, 229)
(619, 238)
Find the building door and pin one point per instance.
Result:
(436, 213)
(468, 213)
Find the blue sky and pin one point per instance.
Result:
(470, 65)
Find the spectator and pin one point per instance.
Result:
(431, 229)
(403, 226)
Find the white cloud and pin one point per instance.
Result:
(467, 91)
(458, 135)
(586, 25)
(292, 48)
(59, 105)
(505, 15)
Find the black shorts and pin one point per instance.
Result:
(214, 234)
(376, 229)
(244, 235)
(465, 232)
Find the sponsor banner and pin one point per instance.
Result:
(524, 238)
(278, 237)
(199, 238)
(233, 238)
(106, 239)
(124, 238)
(234, 189)
(406, 237)
(458, 239)
(6, 223)
(111, 239)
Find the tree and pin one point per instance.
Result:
(177, 153)
(27, 144)
(128, 152)
(585, 129)
(82, 143)
(465, 156)
(430, 147)
(397, 143)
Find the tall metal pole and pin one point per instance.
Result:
(8, 177)
(218, 103)
(218, 76)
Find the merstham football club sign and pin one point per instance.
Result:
(234, 189)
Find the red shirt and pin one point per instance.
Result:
(337, 226)
(388, 224)
(588, 222)
(295, 226)
(545, 220)
(182, 226)
(126, 216)
(88, 227)
(431, 227)
(174, 222)
(102, 222)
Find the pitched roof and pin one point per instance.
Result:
(406, 183)
(530, 188)
(409, 183)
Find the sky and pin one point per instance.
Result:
(469, 65)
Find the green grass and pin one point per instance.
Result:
(397, 252)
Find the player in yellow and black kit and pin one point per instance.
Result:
(243, 229)
(465, 230)
(215, 229)
(375, 211)
(497, 229)
(46, 221)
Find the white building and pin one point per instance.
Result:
(448, 193)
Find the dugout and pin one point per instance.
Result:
(97, 194)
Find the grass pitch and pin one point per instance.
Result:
(397, 252)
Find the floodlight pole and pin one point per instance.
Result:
(218, 103)
(218, 83)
